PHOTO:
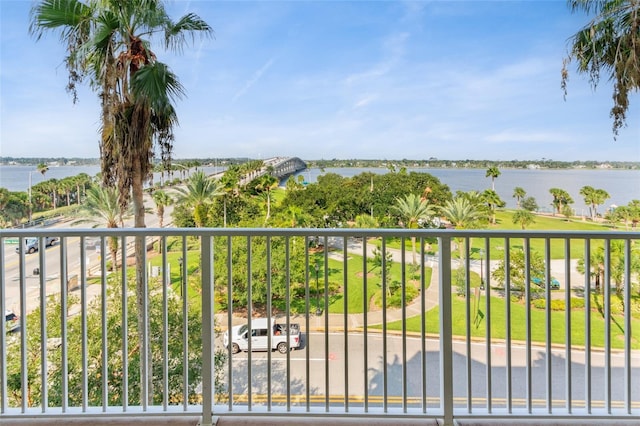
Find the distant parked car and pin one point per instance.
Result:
(12, 322)
(31, 244)
(554, 284)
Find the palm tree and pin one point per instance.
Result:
(413, 211)
(200, 192)
(524, 218)
(162, 199)
(493, 201)
(43, 168)
(561, 198)
(519, 194)
(462, 214)
(230, 181)
(266, 184)
(594, 197)
(608, 45)
(108, 42)
(103, 208)
(493, 172)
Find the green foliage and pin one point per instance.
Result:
(113, 357)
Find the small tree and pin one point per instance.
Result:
(524, 218)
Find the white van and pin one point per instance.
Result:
(261, 330)
(31, 244)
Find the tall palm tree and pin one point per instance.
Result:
(493, 172)
(266, 184)
(162, 200)
(200, 191)
(609, 45)
(108, 42)
(412, 211)
(519, 193)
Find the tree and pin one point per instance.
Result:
(493, 172)
(517, 269)
(199, 193)
(413, 212)
(102, 207)
(266, 184)
(462, 214)
(609, 44)
(529, 203)
(493, 201)
(561, 198)
(594, 197)
(43, 168)
(519, 194)
(162, 200)
(106, 42)
(524, 218)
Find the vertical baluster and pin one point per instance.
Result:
(325, 275)
(64, 306)
(166, 281)
(206, 262)
(468, 307)
(230, 320)
(567, 327)
(423, 329)
(509, 378)
(345, 280)
(83, 316)
(365, 325)
(587, 324)
(269, 308)
(627, 327)
(250, 327)
(527, 295)
(446, 346)
(125, 325)
(104, 322)
(43, 324)
(607, 325)
(547, 320)
(385, 379)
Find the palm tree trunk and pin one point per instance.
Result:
(141, 296)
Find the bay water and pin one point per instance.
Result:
(622, 185)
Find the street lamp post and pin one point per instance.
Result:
(318, 310)
(481, 271)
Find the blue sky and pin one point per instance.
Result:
(338, 79)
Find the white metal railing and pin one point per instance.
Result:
(383, 337)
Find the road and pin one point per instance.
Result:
(343, 375)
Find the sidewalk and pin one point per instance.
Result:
(431, 295)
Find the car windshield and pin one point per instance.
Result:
(242, 329)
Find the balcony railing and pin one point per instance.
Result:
(433, 324)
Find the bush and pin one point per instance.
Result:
(558, 304)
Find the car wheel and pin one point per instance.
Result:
(235, 348)
(282, 347)
(31, 250)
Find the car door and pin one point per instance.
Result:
(259, 339)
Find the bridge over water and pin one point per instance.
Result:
(282, 166)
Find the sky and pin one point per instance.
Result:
(341, 79)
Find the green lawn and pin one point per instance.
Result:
(518, 316)
(504, 223)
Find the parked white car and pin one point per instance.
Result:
(261, 329)
(31, 244)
